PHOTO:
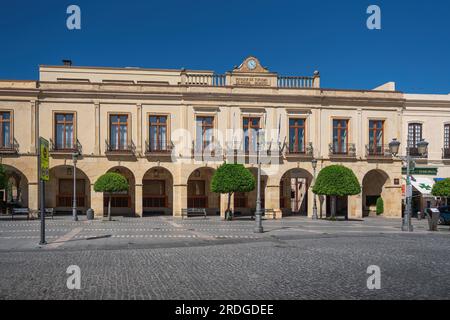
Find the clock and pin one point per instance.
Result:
(251, 64)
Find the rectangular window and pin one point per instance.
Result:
(340, 136)
(64, 131)
(158, 133)
(204, 127)
(5, 130)
(251, 127)
(376, 137)
(118, 132)
(414, 134)
(154, 187)
(297, 135)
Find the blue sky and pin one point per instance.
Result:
(289, 37)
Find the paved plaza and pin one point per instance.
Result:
(163, 258)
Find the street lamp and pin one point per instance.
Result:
(422, 148)
(314, 165)
(258, 213)
(74, 207)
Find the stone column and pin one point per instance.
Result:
(138, 200)
(355, 206)
(272, 197)
(179, 199)
(33, 197)
(392, 197)
(97, 203)
(310, 196)
(33, 127)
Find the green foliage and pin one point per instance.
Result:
(110, 183)
(3, 178)
(380, 206)
(441, 188)
(230, 178)
(336, 180)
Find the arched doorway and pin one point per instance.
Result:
(157, 192)
(373, 187)
(245, 202)
(199, 191)
(122, 204)
(16, 192)
(59, 190)
(294, 186)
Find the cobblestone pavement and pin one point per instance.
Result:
(162, 258)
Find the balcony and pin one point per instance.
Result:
(307, 153)
(212, 152)
(446, 153)
(342, 153)
(153, 149)
(10, 148)
(56, 150)
(414, 152)
(128, 149)
(378, 152)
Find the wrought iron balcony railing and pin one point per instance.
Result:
(378, 151)
(155, 148)
(10, 148)
(414, 152)
(446, 153)
(348, 151)
(76, 148)
(307, 152)
(120, 149)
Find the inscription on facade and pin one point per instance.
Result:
(252, 82)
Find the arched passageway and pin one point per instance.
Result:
(157, 192)
(59, 190)
(373, 187)
(122, 204)
(294, 187)
(199, 191)
(16, 192)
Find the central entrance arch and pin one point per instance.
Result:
(294, 187)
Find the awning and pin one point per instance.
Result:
(423, 185)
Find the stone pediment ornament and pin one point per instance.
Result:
(251, 65)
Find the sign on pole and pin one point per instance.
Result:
(44, 148)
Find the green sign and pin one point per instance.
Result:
(44, 154)
(422, 171)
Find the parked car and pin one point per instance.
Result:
(445, 215)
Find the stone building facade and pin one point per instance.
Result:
(167, 131)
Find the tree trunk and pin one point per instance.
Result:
(333, 207)
(228, 211)
(109, 208)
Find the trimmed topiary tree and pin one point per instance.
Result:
(231, 178)
(380, 206)
(441, 188)
(3, 178)
(110, 183)
(336, 180)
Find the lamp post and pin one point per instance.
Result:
(314, 215)
(74, 207)
(422, 147)
(258, 213)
